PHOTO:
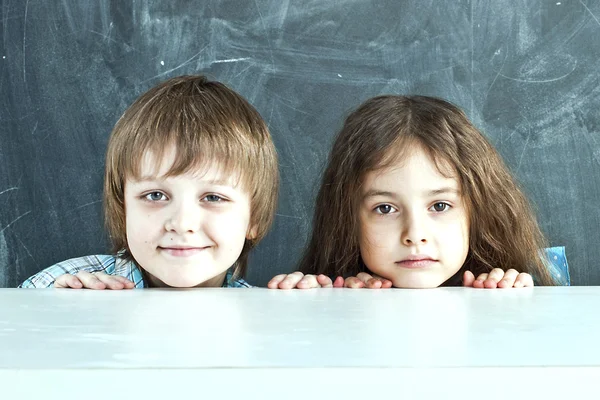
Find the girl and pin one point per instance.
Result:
(415, 194)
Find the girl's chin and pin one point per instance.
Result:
(416, 283)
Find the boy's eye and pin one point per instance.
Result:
(213, 198)
(155, 196)
(439, 207)
(384, 209)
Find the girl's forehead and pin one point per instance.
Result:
(416, 158)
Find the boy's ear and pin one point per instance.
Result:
(252, 232)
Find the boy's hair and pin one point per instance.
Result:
(207, 123)
(503, 229)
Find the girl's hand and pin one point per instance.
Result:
(300, 281)
(364, 280)
(98, 281)
(497, 278)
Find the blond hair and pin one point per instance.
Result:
(207, 123)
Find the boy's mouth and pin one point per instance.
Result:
(182, 251)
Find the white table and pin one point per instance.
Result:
(325, 343)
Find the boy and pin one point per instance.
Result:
(190, 187)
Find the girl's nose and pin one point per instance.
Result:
(414, 231)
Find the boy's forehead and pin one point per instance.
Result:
(153, 165)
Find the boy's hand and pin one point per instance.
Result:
(364, 280)
(497, 278)
(98, 280)
(300, 281)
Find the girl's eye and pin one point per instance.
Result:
(155, 196)
(440, 207)
(384, 209)
(213, 198)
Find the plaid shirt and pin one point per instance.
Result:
(109, 264)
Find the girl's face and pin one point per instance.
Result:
(185, 230)
(414, 226)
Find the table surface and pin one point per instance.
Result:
(438, 334)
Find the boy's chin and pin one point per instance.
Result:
(182, 282)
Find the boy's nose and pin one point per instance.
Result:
(183, 219)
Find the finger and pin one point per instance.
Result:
(493, 278)
(354, 283)
(90, 281)
(324, 281)
(68, 281)
(291, 280)
(370, 281)
(364, 277)
(468, 279)
(308, 282)
(275, 281)
(376, 282)
(111, 281)
(339, 282)
(509, 279)
(385, 283)
(524, 280)
(373, 283)
(128, 284)
(478, 283)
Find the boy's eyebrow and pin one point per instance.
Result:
(217, 182)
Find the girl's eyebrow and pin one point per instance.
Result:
(431, 193)
(377, 193)
(444, 190)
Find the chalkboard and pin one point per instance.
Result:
(526, 72)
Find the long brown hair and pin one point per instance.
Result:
(503, 229)
(207, 123)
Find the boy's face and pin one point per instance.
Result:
(414, 226)
(185, 230)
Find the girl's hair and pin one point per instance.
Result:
(208, 124)
(503, 229)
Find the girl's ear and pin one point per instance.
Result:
(252, 232)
